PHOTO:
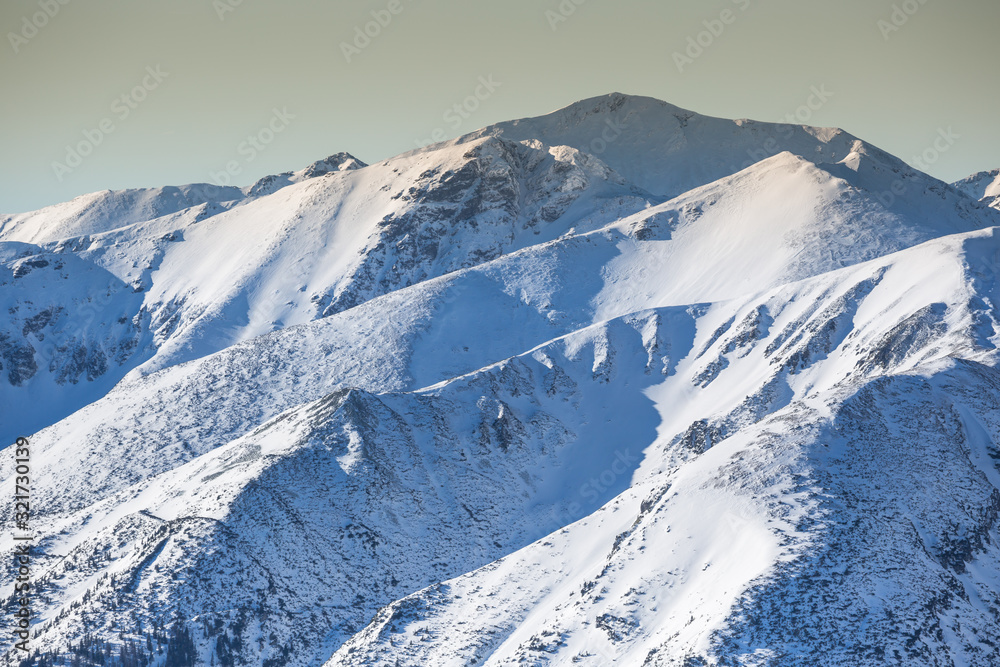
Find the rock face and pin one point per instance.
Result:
(519, 398)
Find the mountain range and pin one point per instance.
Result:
(623, 384)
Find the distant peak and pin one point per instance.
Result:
(335, 162)
(617, 102)
(981, 185)
(338, 162)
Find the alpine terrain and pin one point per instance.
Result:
(619, 385)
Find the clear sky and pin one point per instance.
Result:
(168, 92)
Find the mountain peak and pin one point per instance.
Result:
(616, 102)
(665, 149)
(271, 183)
(981, 185)
(336, 162)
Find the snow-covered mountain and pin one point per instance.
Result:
(618, 385)
(107, 210)
(665, 149)
(984, 186)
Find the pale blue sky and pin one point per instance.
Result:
(226, 65)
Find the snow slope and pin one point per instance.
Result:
(522, 398)
(70, 329)
(803, 517)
